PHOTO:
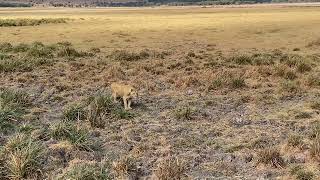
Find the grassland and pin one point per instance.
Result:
(224, 93)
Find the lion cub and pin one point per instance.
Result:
(127, 92)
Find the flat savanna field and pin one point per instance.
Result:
(224, 93)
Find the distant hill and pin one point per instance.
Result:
(131, 3)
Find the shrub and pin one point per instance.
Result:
(170, 168)
(24, 157)
(270, 156)
(87, 171)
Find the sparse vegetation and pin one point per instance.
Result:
(30, 22)
(295, 140)
(125, 168)
(170, 168)
(218, 95)
(271, 156)
(87, 170)
(184, 113)
(301, 174)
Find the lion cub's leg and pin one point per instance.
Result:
(125, 102)
(114, 95)
(129, 104)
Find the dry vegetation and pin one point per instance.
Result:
(205, 109)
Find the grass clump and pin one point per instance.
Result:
(315, 130)
(304, 67)
(314, 43)
(87, 171)
(315, 105)
(313, 80)
(75, 112)
(70, 52)
(27, 64)
(295, 140)
(237, 83)
(263, 59)
(315, 148)
(99, 108)
(5, 47)
(271, 156)
(4, 56)
(24, 158)
(13, 105)
(123, 114)
(241, 59)
(216, 84)
(124, 168)
(123, 55)
(291, 87)
(301, 174)
(184, 113)
(39, 50)
(170, 168)
(78, 137)
(22, 47)
(30, 22)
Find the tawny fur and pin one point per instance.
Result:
(127, 92)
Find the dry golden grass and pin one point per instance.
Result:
(171, 28)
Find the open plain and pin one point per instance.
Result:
(223, 93)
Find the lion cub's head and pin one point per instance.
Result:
(133, 93)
